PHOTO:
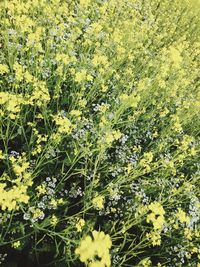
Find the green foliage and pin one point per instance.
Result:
(99, 133)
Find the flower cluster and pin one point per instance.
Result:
(156, 217)
(99, 247)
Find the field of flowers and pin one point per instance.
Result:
(100, 133)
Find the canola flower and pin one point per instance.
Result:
(80, 224)
(98, 202)
(98, 246)
(156, 217)
(16, 244)
(3, 69)
(182, 216)
(11, 197)
(1, 155)
(111, 136)
(154, 237)
(64, 124)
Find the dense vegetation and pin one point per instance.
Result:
(99, 133)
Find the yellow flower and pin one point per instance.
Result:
(40, 94)
(99, 247)
(82, 76)
(109, 138)
(63, 58)
(64, 124)
(145, 262)
(129, 100)
(19, 72)
(76, 113)
(175, 56)
(12, 103)
(146, 160)
(104, 88)
(16, 244)
(80, 224)
(100, 60)
(84, 3)
(112, 136)
(157, 208)
(158, 222)
(28, 77)
(103, 107)
(36, 213)
(182, 216)
(154, 237)
(186, 142)
(177, 127)
(188, 233)
(98, 202)
(60, 201)
(82, 102)
(156, 217)
(54, 220)
(116, 134)
(1, 154)
(194, 250)
(164, 112)
(3, 69)
(95, 28)
(53, 203)
(20, 166)
(9, 198)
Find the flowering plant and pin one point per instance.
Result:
(99, 133)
